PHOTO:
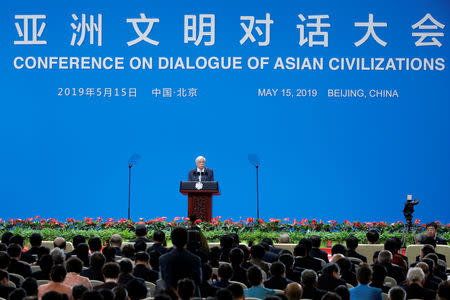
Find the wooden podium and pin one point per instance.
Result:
(200, 197)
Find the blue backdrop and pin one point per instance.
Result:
(322, 157)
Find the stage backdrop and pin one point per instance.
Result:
(346, 103)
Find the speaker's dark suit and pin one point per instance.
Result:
(179, 264)
(207, 175)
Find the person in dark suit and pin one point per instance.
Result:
(4, 264)
(35, 242)
(236, 260)
(428, 283)
(126, 269)
(269, 242)
(94, 272)
(414, 288)
(330, 280)
(26, 257)
(378, 277)
(110, 273)
(5, 290)
(302, 260)
(15, 265)
(206, 288)
(46, 264)
(309, 284)
(292, 274)
(201, 173)
(159, 243)
(394, 271)
(142, 268)
(224, 275)
(141, 233)
(180, 263)
(431, 232)
(277, 280)
(345, 266)
(77, 239)
(116, 242)
(316, 251)
(352, 243)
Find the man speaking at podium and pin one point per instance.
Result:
(201, 173)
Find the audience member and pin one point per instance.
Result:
(293, 291)
(74, 266)
(309, 284)
(141, 233)
(316, 251)
(159, 243)
(330, 278)
(363, 291)
(116, 242)
(57, 276)
(396, 293)
(414, 289)
(94, 272)
(277, 279)
(394, 271)
(142, 268)
(111, 272)
(352, 243)
(255, 279)
(15, 265)
(372, 236)
(224, 275)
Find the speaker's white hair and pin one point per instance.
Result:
(199, 158)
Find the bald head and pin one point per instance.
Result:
(293, 291)
(59, 242)
(284, 239)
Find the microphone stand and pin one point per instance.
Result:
(129, 189)
(257, 193)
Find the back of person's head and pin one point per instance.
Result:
(17, 294)
(236, 290)
(331, 296)
(427, 249)
(74, 264)
(17, 239)
(415, 275)
(352, 242)
(141, 230)
(110, 253)
(107, 294)
(82, 250)
(443, 291)
(116, 240)
(277, 269)
(396, 293)
(58, 256)
(265, 246)
(78, 239)
(343, 292)
(315, 241)
(139, 246)
(284, 238)
(236, 239)
(78, 290)
(300, 250)
(385, 257)
(391, 245)
(97, 260)
(339, 249)
(379, 273)
(159, 236)
(434, 258)
(236, 256)
(92, 295)
(58, 273)
(46, 263)
(364, 274)
(14, 250)
(287, 260)
(59, 242)
(330, 269)
(307, 243)
(111, 270)
(136, 289)
(3, 275)
(375, 256)
(206, 272)
(225, 271)
(121, 293)
(142, 257)
(30, 286)
(309, 278)
(257, 251)
(43, 250)
(424, 267)
(6, 236)
(294, 291)
(246, 251)
(344, 264)
(268, 241)
(4, 260)
(224, 294)
(126, 265)
(226, 241)
(430, 264)
(95, 244)
(128, 251)
(35, 239)
(254, 276)
(179, 237)
(372, 236)
(185, 288)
